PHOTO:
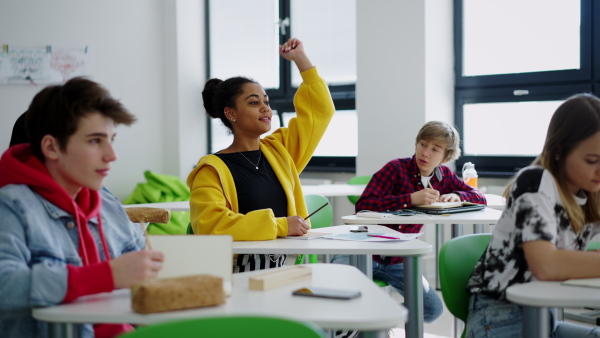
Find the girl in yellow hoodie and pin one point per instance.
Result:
(251, 190)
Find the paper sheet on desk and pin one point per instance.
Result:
(363, 237)
(309, 235)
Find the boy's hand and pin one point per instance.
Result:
(425, 196)
(450, 198)
(136, 266)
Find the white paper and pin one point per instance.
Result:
(364, 236)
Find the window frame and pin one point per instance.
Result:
(281, 99)
(539, 86)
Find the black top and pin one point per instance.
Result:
(256, 188)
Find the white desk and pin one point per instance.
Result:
(173, 206)
(485, 216)
(374, 311)
(495, 201)
(537, 297)
(331, 190)
(361, 256)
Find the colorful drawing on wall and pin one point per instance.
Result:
(69, 62)
(29, 64)
(25, 65)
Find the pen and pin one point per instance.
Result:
(388, 237)
(314, 212)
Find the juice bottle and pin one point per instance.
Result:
(469, 174)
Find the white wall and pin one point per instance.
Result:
(135, 53)
(150, 54)
(404, 75)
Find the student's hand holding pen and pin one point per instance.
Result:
(425, 196)
(297, 226)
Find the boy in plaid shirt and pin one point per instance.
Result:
(403, 183)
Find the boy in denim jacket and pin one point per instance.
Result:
(62, 236)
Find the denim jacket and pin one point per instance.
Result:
(37, 241)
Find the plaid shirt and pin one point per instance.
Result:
(391, 187)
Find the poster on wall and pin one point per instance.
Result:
(41, 65)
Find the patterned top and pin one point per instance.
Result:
(391, 186)
(534, 211)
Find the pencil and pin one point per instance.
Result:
(148, 246)
(429, 184)
(314, 212)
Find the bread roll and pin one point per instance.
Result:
(148, 215)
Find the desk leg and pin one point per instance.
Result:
(61, 330)
(413, 296)
(457, 230)
(439, 241)
(536, 321)
(364, 263)
(478, 228)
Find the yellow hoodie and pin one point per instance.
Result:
(213, 201)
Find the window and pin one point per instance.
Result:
(516, 61)
(243, 37)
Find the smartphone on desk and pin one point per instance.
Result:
(359, 228)
(327, 293)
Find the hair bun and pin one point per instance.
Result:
(208, 95)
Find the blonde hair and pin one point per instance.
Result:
(575, 120)
(442, 131)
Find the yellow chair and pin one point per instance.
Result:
(230, 327)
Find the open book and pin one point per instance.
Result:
(444, 205)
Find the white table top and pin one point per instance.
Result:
(495, 201)
(485, 216)
(553, 294)
(334, 189)
(374, 310)
(173, 206)
(329, 246)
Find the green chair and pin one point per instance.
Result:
(358, 180)
(457, 258)
(323, 218)
(230, 327)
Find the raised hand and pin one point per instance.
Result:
(293, 49)
(297, 226)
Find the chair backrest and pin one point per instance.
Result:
(457, 259)
(324, 217)
(358, 180)
(230, 327)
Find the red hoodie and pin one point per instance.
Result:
(19, 166)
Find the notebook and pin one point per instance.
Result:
(187, 255)
(440, 208)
